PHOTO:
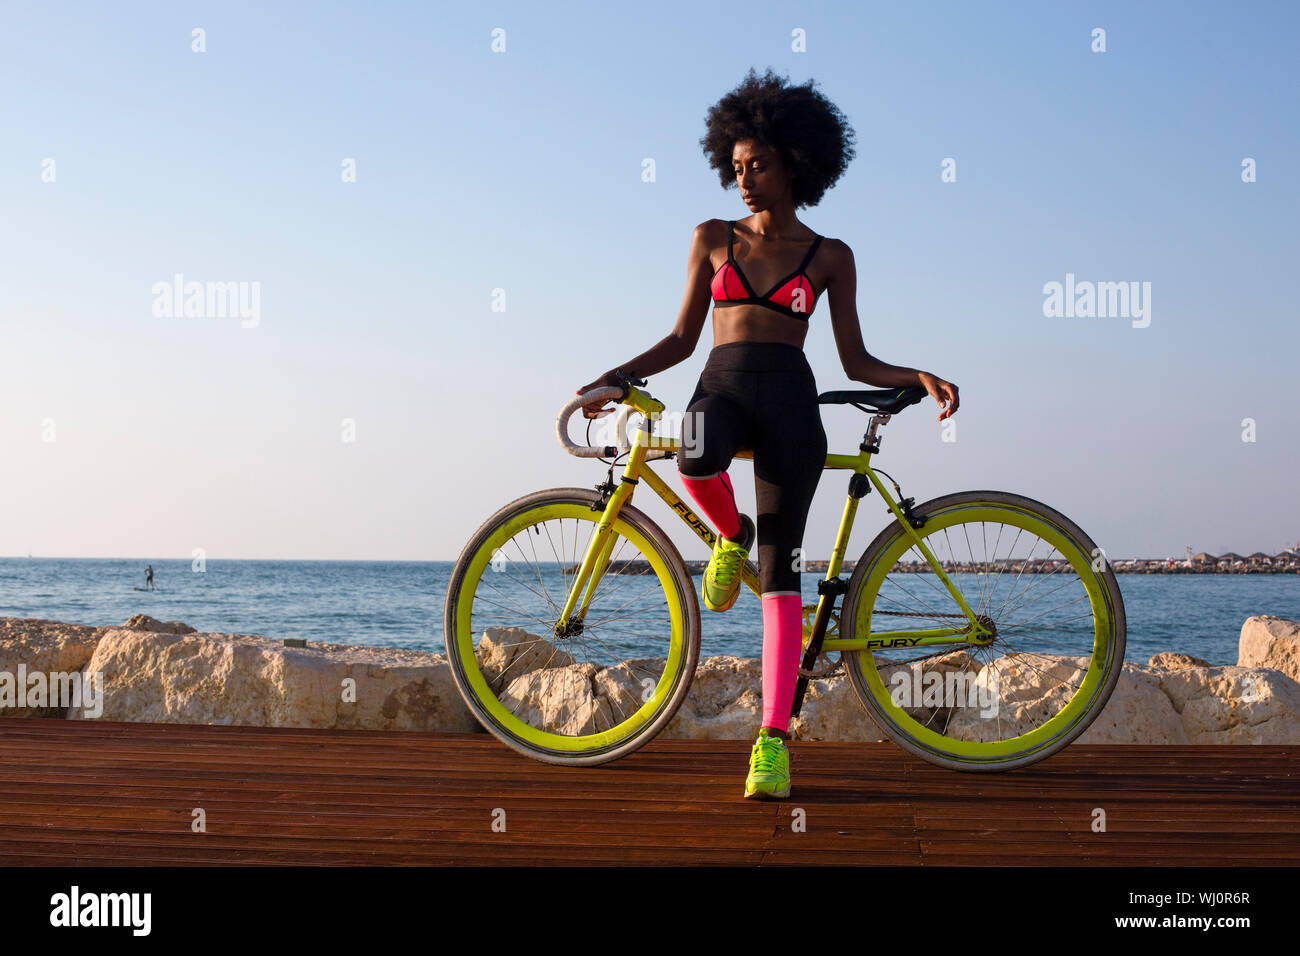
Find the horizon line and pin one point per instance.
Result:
(40, 557)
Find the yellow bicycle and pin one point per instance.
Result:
(981, 630)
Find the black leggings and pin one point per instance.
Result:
(761, 396)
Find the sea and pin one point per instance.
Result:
(400, 603)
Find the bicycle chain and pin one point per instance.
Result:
(919, 614)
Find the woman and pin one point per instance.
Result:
(784, 146)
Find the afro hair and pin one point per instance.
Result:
(810, 133)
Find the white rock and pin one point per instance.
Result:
(143, 622)
(1138, 712)
(833, 711)
(1268, 641)
(165, 672)
(1172, 661)
(559, 700)
(231, 679)
(1235, 705)
(29, 646)
(507, 653)
(724, 703)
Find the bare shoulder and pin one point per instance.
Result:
(708, 237)
(711, 231)
(837, 249)
(839, 259)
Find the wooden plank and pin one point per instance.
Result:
(110, 794)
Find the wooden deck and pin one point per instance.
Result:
(92, 793)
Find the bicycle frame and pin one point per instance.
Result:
(637, 469)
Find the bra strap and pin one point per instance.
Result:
(812, 251)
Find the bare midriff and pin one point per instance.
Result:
(753, 323)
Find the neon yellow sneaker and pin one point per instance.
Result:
(722, 576)
(769, 768)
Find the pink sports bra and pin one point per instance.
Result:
(793, 296)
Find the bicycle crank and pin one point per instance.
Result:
(829, 670)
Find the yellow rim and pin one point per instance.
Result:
(1100, 662)
(482, 692)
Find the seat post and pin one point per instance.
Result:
(869, 441)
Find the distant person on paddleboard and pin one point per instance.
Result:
(148, 577)
(783, 145)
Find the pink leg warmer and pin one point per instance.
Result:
(716, 500)
(782, 646)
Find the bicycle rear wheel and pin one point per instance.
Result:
(601, 687)
(1053, 603)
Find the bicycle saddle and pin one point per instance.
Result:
(890, 401)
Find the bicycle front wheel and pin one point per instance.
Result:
(601, 684)
(1058, 632)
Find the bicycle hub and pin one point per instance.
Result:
(571, 627)
(986, 622)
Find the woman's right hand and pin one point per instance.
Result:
(595, 410)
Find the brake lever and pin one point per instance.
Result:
(628, 380)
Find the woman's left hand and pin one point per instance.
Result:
(945, 393)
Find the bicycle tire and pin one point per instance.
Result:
(679, 588)
(868, 577)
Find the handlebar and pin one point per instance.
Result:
(632, 399)
(607, 394)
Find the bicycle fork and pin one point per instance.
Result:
(595, 560)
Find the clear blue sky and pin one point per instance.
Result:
(522, 171)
